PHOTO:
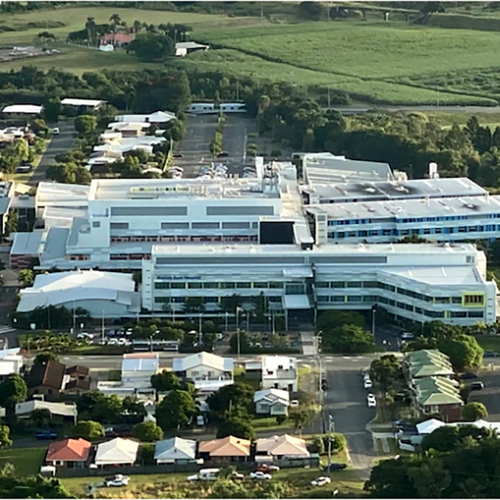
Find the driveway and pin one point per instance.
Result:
(490, 395)
(346, 402)
(59, 144)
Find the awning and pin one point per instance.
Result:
(296, 302)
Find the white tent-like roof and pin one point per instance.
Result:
(60, 288)
(429, 426)
(117, 451)
(28, 109)
(202, 359)
(69, 101)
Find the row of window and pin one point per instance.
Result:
(179, 226)
(407, 232)
(444, 218)
(390, 288)
(174, 285)
(372, 299)
(127, 239)
(208, 300)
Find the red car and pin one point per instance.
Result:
(267, 468)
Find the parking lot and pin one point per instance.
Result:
(14, 54)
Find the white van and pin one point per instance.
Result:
(205, 475)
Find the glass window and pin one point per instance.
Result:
(243, 284)
(323, 298)
(337, 284)
(177, 285)
(229, 285)
(442, 300)
(475, 314)
(275, 284)
(260, 284)
(195, 285)
(337, 298)
(322, 284)
(370, 284)
(456, 300)
(211, 285)
(354, 284)
(354, 298)
(162, 285)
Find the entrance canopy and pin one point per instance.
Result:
(296, 302)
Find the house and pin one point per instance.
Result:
(279, 372)
(22, 109)
(116, 39)
(10, 362)
(438, 395)
(157, 117)
(118, 451)
(184, 48)
(278, 447)
(271, 402)
(46, 378)
(230, 448)
(79, 379)
(204, 367)
(137, 368)
(175, 451)
(83, 104)
(427, 363)
(70, 453)
(65, 411)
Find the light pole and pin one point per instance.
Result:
(248, 320)
(199, 330)
(374, 310)
(102, 326)
(227, 326)
(331, 429)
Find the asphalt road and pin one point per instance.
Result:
(235, 137)
(345, 400)
(200, 130)
(59, 144)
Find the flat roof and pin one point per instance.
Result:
(418, 188)
(27, 243)
(30, 109)
(441, 275)
(128, 189)
(401, 209)
(70, 101)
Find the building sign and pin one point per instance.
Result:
(162, 189)
(177, 278)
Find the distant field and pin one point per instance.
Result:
(27, 461)
(377, 50)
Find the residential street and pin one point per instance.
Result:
(59, 144)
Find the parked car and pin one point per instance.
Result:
(371, 401)
(268, 468)
(56, 131)
(224, 154)
(84, 335)
(116, 481)
(334, 466)
(237, 475)
(46, 435)
(260, 475)
(367, 384)
(321, 481)
(468, 375)
(407, 336)
(490, 354)
(178, 155)
(23, 169)
(476, 386)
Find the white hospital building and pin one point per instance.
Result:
(274, 236)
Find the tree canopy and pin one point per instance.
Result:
(13, 390)
(176, 410)
(231, 397)
(147, 431)
(87, 429)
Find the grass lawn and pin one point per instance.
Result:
(176, 486)
(269, 423)
(489, 343)
(27, 461)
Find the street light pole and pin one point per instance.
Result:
(331, 428)
(374, 310)
(102, 326)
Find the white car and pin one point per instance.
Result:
(371, 401)
(367, 384)
(321, 481)
(56, 131)
(84, 335)
(113, 341)
(260, 475)
(117, 481)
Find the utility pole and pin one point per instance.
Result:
(331, 429)
(227, 326)
(102, 326)
(374, 311)
(74, 318)
(199, 330)
(238, 328)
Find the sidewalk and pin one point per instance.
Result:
(308, 346)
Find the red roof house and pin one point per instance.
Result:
(68, 452)
(117, 39)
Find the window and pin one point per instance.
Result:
(322, 284)
(456, 300)
(260, 284)
(473, 299)
(475, 314)
(177, 285)
(354, 284)
(458, 314)
(370, 284)
(337, 298)
(211, 285)
(175, 225)
(118, 225)
(162, 285)
(275, 284)
(441, 300)
(162, 300)
(354, 298)
(229, 285)
(242, 285)
(204, 225)
(337, 284)
(323, 298)
(195, 285)
(96, 224)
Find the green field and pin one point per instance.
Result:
(27, 461)
(373, 61)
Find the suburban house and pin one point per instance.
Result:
(175, 450)
(279, 372)
(157, 117)
(10, 362)
(79, 379)
(429, 375)
(137, 368)
(118, 451)
(71, 453)
(83, 104)
(438, 395)
(46, 378)
(228, 449)
(278, 447)
(116, 39)
(184, 48)
(271, 402)
(205, 369)
(63, 410)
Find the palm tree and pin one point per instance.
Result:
(91, 27)
(137, 26)
(115, 20)
(45, 36)
(194, 305)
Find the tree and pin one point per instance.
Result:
(133, 406)
(5, 440)
(108, 409)
(13, 390)
(87, 429)
(237, 395)
(348, 339)
(19, 486)
(231, 303)
(152, 47)
(474, 411)
(236, 423)
(175, 130)
(449, 438)
(12, 222)
(45, 37)
(91, 28)
(39, 127)
(225, 488)
(44, 357)
(385, 370)
(26, 277)
(463, 350)
(41, 417)
(85, 124)
(165, 381)
(194, 305)
(147, 431)
(330, 320)
(115, 20)
(52, 110)
(301, 418)
(312, 10)
(176, 410)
